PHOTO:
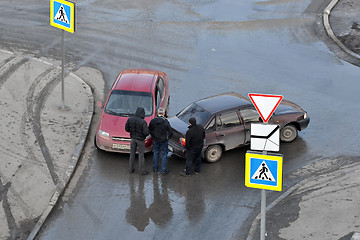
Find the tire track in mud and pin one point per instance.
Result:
(11, 66)
(34, 105)
(30, 118)
(7, 210)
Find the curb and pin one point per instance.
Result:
(74, 160)
(256, 221)
(330, 32)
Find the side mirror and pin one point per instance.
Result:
(100, 104)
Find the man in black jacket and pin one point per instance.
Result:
(138, 129)
(194, 142)
(160, 131)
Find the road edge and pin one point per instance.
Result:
(330, 33)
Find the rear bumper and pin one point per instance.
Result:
(177, 149)
(304, 123)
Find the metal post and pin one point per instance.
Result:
(62, 71)
(263, 211)
(263, 214)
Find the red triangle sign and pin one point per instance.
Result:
(265, 104)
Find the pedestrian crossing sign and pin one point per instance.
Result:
(62, 15)
(263, 171)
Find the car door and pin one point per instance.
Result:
(248, 116)
(229, 130)
(210, 133)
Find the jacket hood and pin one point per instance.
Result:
(158, 120)
(140, 112)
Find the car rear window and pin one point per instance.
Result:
(195, 111)
(124, 103)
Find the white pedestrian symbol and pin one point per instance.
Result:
(263, 173)
(61, 15)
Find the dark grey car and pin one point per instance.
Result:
(227, 119)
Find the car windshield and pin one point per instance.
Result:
(124, 103)
(195, 111)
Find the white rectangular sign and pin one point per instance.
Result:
(265, 137)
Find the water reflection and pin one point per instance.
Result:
(137, 214)
(159, 211)
(194, 201)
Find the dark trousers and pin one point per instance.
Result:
(193, 155)
(140, 146)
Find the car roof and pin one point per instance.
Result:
(223, 101)
(140, 80)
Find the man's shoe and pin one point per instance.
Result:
(155, 171)
(164, 173)
(131, 171)
(144, 172)
(196, 173)
(184, 174)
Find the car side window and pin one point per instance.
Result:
(250, 115)
(211, 127)
(229, 119)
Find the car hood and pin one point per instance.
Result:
(178, 125)
(115, 125)
(287, 107)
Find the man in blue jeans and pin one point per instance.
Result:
(160, 131)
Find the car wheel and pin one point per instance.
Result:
(288, 133)
(213, 153)
(95, 143)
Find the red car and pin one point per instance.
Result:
(133, 88)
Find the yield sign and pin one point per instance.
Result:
(265, 104)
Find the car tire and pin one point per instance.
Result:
(288, 133)
(95, 143)
(213, 153)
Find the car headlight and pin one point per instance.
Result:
(104, 135)
(305, 115)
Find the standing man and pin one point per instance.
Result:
(194, 142)
(160, 131)
(138, 129)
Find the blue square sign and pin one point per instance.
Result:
(62, 15)
(263, 171)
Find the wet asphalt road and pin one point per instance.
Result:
(206, 47)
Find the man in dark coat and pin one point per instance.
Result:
(160, 131)
(138, 129)
(194, 142)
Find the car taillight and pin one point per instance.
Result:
(148, 141)
(182, 141)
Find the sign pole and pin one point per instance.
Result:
(62, 71)
(263, 214)
(263, 211)
(62, 15)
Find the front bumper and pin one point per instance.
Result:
(119, 147)
(304, 123)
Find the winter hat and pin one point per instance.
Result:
(192, 121)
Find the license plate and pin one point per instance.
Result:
(170, 148)
(121, 146)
